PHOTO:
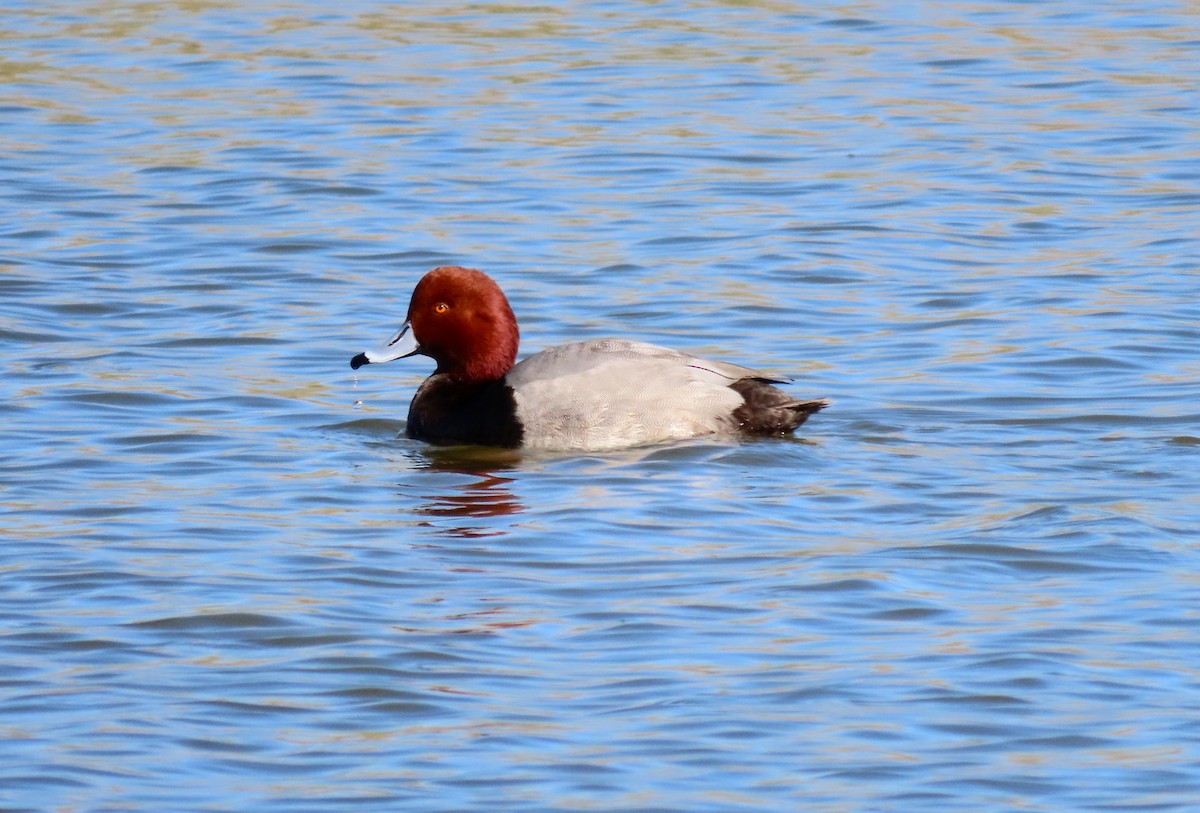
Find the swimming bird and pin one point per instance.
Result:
(589, 395)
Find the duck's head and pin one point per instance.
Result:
(461, 319)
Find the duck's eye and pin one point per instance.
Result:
(441, 307)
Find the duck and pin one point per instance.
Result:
(594, 395)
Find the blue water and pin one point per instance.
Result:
(228, 582)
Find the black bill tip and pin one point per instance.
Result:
(359, 361)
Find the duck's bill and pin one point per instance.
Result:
(404, 343)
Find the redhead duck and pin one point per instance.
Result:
(601, 394)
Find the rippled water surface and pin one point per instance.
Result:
(228, 582)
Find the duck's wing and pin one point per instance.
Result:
(579, 357)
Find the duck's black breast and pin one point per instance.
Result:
(451, 412)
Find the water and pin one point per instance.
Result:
(968, 585)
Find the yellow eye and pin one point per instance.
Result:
(441, 307)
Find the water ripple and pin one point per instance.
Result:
(232, 583)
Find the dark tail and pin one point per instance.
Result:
(769, 410)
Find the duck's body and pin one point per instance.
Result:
(593, 395)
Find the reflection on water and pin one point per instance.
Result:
(230, 582)
(485, 497)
